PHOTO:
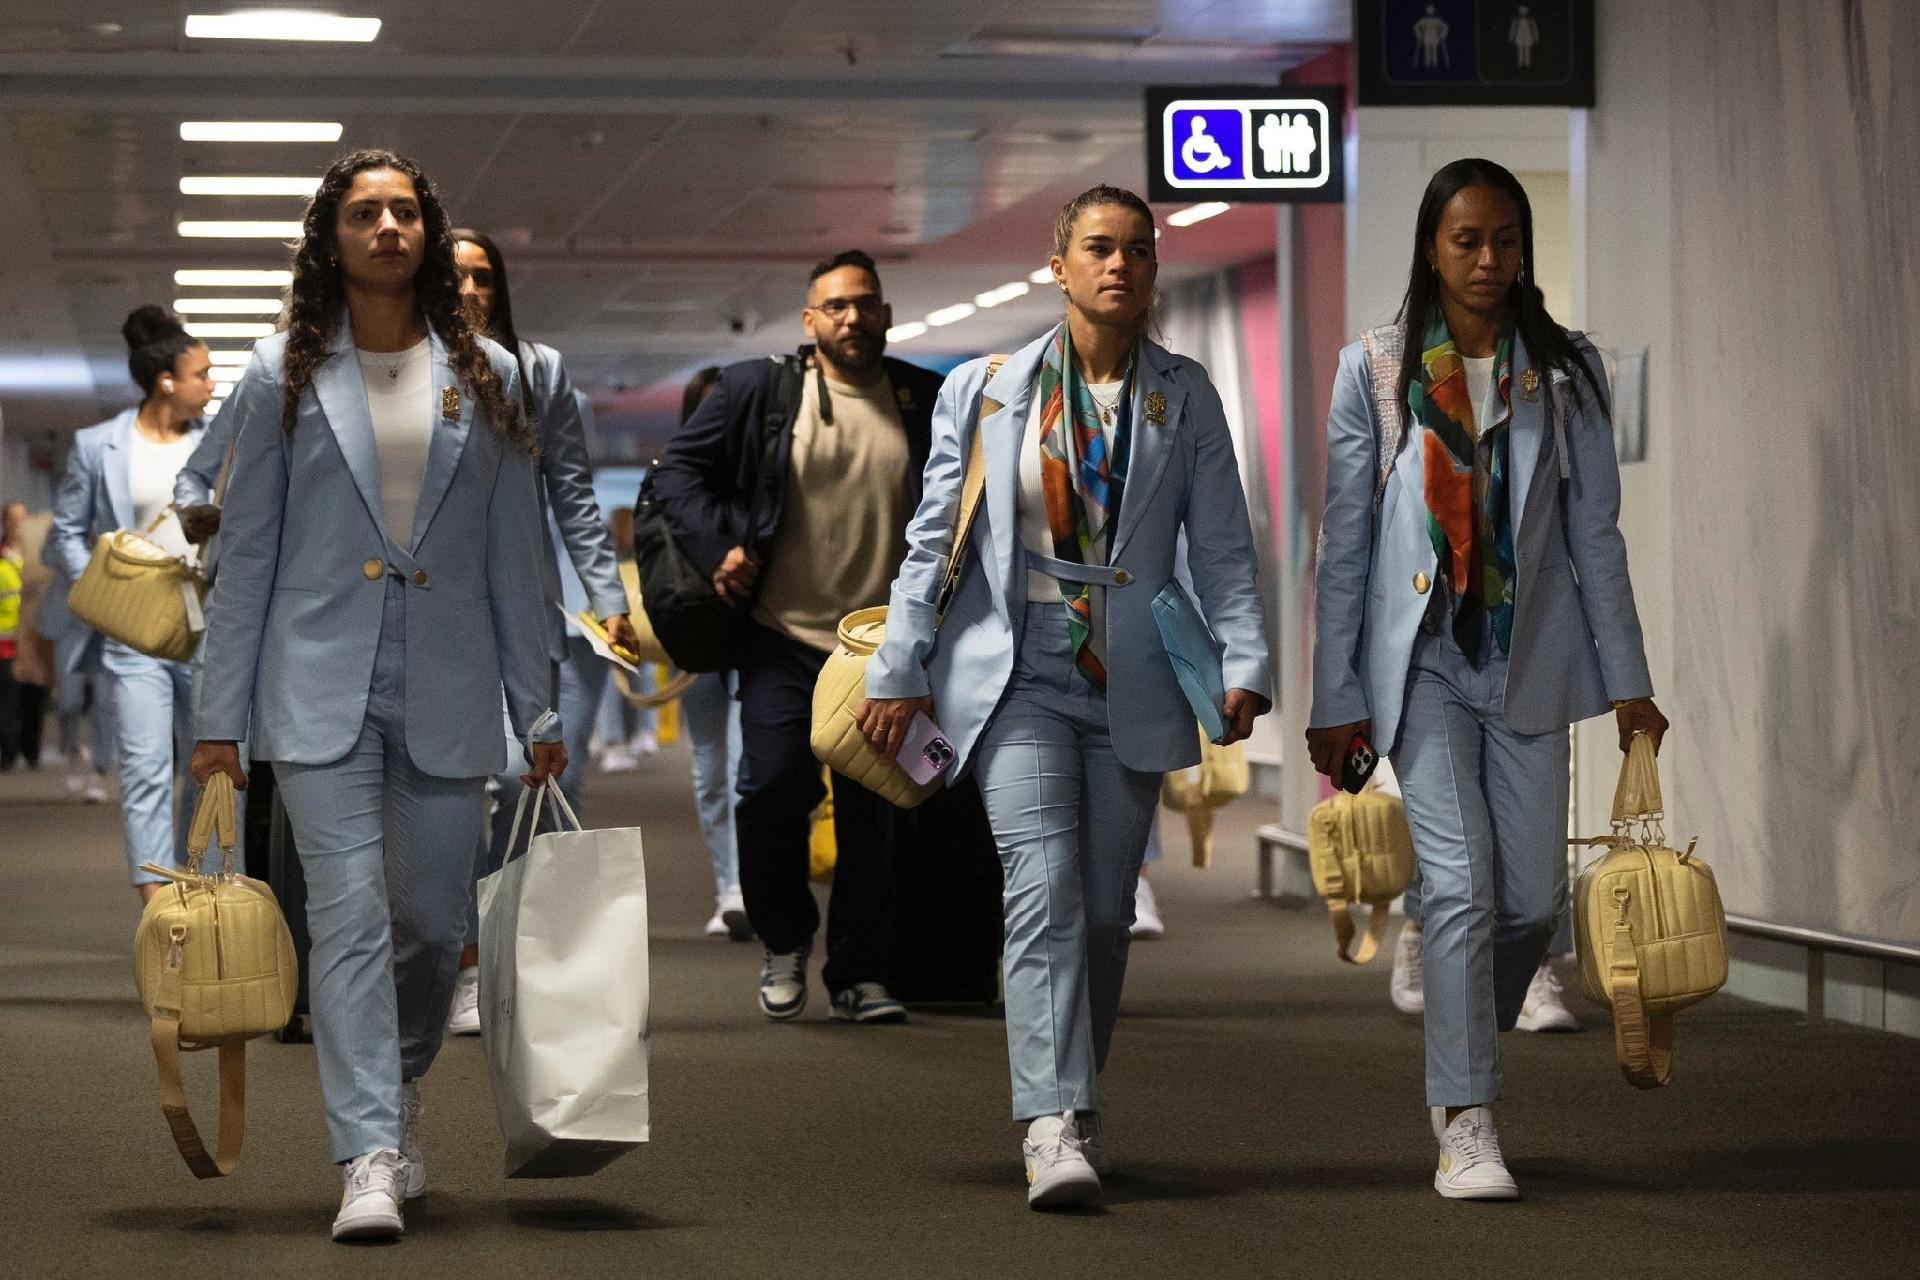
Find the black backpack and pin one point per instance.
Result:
(698, 627)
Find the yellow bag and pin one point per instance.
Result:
(134, 592)
(1360, 850)
(841, 689)
(1650, 929)
(651, 650)
(215, 967)
(1222, 776)
(823, 846)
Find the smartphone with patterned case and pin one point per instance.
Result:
(926, 754)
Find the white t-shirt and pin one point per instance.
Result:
(1481, 392)
(151, 469)
(400, 399)
(1035, 533)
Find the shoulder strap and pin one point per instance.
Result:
(1642, 1043)
(782, 395)
(173, 1093)
(972, 486)
(1386, 349)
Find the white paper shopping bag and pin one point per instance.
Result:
(563, 993)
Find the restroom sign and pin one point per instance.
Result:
(1254, 145)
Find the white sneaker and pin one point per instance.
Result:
(1545, 1008)
(464, 1018)
(96, 792)
(1404, 987)
(1057, 1170)
(642, 745)
(411, 1109)
(1470, 1165)
(76, 781)
(783, 984)
(730, 918)
(1147, 924)
(1093, 1142)
(617, 759)
(375, 1188)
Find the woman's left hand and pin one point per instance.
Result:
(1239, 710)
(548, 759)
(1640, 716)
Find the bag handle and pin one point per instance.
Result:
(548, 793)
(213, 819)
(973, 486)
(1636, 799)
(232, 1132)
(1643, 1043)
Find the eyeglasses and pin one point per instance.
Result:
(839, 308)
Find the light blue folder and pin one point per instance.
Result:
(1195, 655)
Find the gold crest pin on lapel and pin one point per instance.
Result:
(1156, 408)
(450, 404)
(1530, 385)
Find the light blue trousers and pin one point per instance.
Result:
(1071, 825)
(1488, 811)
(388, 856)
(70, 701)
(153, 707)
(711, 717)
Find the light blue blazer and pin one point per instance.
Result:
(93, 499)
(567, 503)
(294, 618)
(1576, 635)
(1181, 475)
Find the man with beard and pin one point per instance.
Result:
(824, 538)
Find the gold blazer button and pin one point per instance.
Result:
(1121, 577)
(419, 577)
(1421, 583)
(373, 569)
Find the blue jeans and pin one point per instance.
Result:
(712, 720)
(1488, 810)
(1071, 824)
(387, 852)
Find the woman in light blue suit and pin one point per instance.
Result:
(1048, 673)
(379, 585)
(1472, 601)
(120, 475)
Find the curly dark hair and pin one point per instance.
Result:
(319, 293)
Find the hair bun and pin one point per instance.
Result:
(150, 324)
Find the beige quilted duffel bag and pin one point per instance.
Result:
(1650, 929)
(134, 592)
(215, 966)
(1360, 850)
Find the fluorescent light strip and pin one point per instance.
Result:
(951, 315)
(229, 328)
(1197, 213)
(233, 359)
(213, 406)
(248, 186)
(258, 131)
(227, 306)
(1005, 293)
(188, 278)
(281, 24)
(1043, 276)
(237, 230)
(906, 332)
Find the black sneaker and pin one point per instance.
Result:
(867, 1002)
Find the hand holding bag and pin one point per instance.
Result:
(1650, 930)
(564, 994)
(215, 967)
(135, 592)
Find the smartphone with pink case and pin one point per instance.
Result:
(926, 754)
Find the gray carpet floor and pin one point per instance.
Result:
(1263, 1104)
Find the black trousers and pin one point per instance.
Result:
(780, 786)
(23, 713)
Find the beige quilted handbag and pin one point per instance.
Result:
(215, 967)
(134, 592)
(1222, 777)
(1650, 929)
(841, 689)
(1359, 850)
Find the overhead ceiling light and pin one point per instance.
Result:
(213, 406)
(906, 332)
(233, 230)
(1043, 276)
(229, 328)
(1005, 293)
(1197, 213)
(248, 186)
(190, 277)
(229, 358)
(949, 315)
(281, 24)
(258, 131)
(227, 306)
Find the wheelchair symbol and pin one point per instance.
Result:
(1200, 152)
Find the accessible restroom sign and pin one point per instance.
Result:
(1243, 145)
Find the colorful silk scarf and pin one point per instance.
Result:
(1082, 480)
(1468, 517)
